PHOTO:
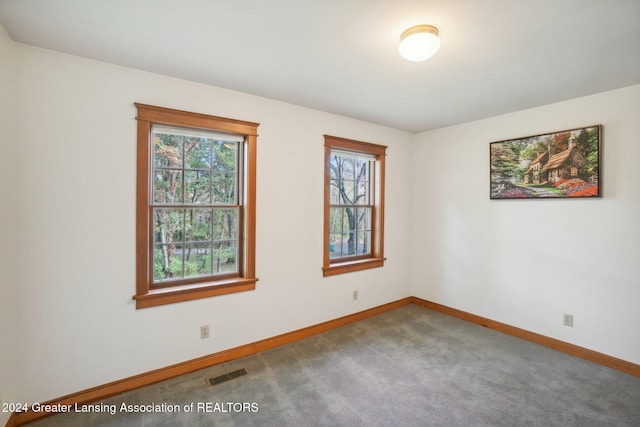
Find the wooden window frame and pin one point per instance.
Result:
(376, 259)
(148, 295)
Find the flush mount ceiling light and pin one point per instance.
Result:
(419, 43)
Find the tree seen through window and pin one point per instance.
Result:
(195, 214)
(350, 211)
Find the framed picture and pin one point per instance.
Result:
(552, 165)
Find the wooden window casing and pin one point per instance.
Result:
(375, 258)
(148, 293)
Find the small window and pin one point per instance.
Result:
(195, 206)
(354, 205)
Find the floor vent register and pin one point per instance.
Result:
(228, 376)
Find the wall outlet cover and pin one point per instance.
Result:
(568, 319)
(204, 331)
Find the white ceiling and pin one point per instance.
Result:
(341, 56)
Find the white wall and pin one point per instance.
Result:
(76, 173)
(7, 224)
(526, 262)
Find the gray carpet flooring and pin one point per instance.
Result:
(406, 367)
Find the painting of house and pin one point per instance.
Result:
(532, 175)
(565, 165)
(558, 164)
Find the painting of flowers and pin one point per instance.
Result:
(553, 165)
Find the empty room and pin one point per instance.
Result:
(322, 213)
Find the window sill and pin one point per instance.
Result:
(175, 294)
(350, 266)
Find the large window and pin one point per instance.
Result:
(353, 205)
(195, 206)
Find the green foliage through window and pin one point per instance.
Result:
(196, 209)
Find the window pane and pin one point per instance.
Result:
(337, 245)
(195, 242)
(363, 219)
(197, 187)
(350, 180)
(168, 225)
(225, 156)
(167, 186)
(346, 167)
(342, 192)
(336, 220)
(334, 163)
(351, 241)
(349, 232)
(224, 188)
(347, 192)
(363, 231)
(197, 153)
(334, 194)
(361, 169)
(167, 262)
(197, 259)
(362, 181)
(337, 233)
(198, 225)
(363, 243)
(225, 224)
(224, 167)
(225, 257)
(362, 193)
(351, 204)
(167, 151)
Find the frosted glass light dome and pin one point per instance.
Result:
(419, 43)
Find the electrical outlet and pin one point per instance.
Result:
(355, 295)
(204, 331)
(567, 319)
